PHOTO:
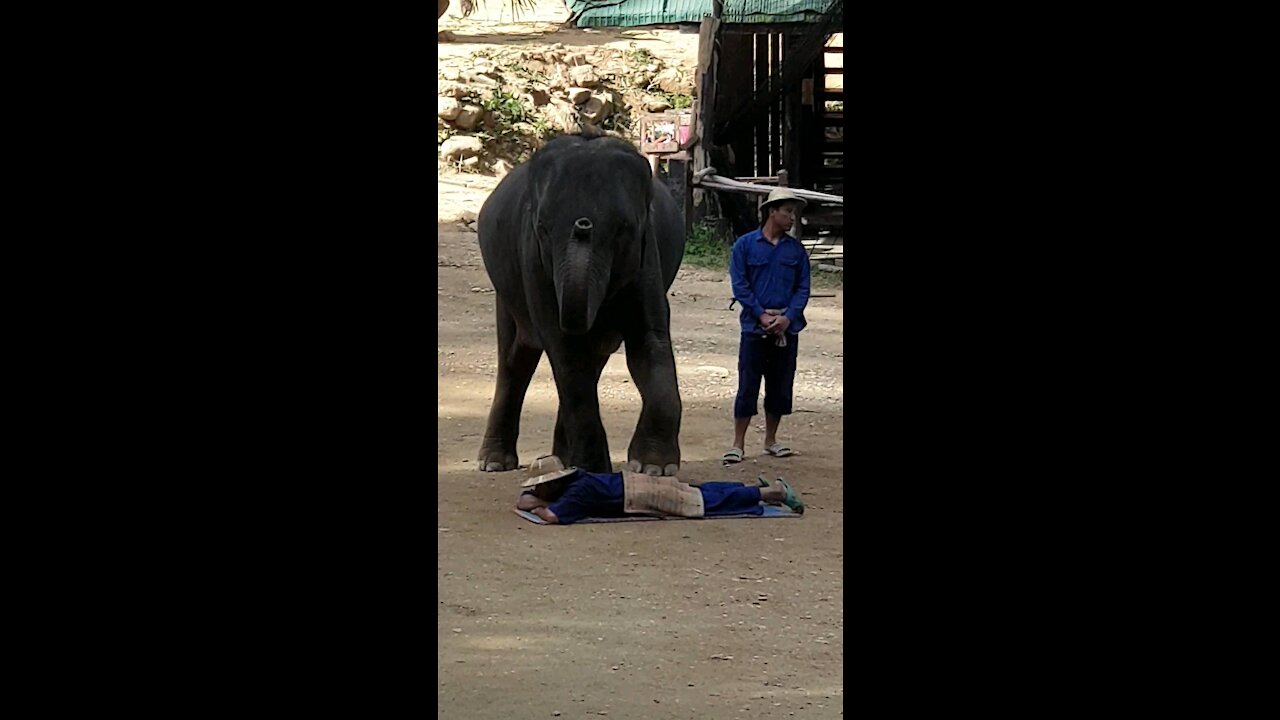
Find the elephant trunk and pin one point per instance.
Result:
(577, 312)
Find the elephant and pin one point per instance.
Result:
(582, 244)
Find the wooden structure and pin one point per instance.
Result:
(770, 104)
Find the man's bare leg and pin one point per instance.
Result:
(740, 426)
(770, 429)
(774, 494)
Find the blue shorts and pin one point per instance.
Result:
(759, 357)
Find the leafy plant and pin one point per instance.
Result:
(706, 248)
(639, 56)
(524, 72)
(674, 100)
(618, 122)
(507, 109)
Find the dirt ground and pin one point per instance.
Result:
(493, 24)
(704, 619)
(707, 619)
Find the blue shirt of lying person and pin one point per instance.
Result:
(585, 494)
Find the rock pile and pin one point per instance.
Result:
(504, 104)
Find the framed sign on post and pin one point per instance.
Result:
(664, 133)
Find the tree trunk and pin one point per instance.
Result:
(443, 5)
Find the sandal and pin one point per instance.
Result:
(779, 450)
(733, 456)
(792, 500)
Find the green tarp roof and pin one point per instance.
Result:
(629, 13)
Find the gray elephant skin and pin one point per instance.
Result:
(581, 244)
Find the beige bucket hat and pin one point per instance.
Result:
(782, 195)
(545, 469)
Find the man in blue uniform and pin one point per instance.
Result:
(769, 270)
(564, 496)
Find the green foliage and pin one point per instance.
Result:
(639, 56)
(618, 122)
(521, 71)
(507, 109)
(706, 248)
(825, 280)
(676, 101)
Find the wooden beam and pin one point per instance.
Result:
(704, 109)
(753, 28)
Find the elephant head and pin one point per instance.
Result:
(590, 215)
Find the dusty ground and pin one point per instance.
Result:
(703, 619)
(494, 24)
(709, 619)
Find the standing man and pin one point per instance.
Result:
(769, 270)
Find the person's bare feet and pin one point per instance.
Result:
(773, 494)
(779, 492)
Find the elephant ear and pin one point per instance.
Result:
(647, 240)
(533, 203)
(533, 197)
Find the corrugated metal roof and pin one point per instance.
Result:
(660, 12)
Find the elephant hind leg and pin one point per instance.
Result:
(516, 365)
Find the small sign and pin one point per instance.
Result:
(664, 132)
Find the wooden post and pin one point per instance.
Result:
(704, 108)
(761, 87)
(677, 178)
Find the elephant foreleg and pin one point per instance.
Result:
(580, 439)
(516, 364)
(655, 446)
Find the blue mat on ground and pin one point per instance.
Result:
(770, 511)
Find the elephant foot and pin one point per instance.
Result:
(654, 456)
(495, 458)
(670, 469)
(594, 463)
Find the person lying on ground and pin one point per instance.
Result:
(561, 495)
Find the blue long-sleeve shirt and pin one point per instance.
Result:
(770, 276)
